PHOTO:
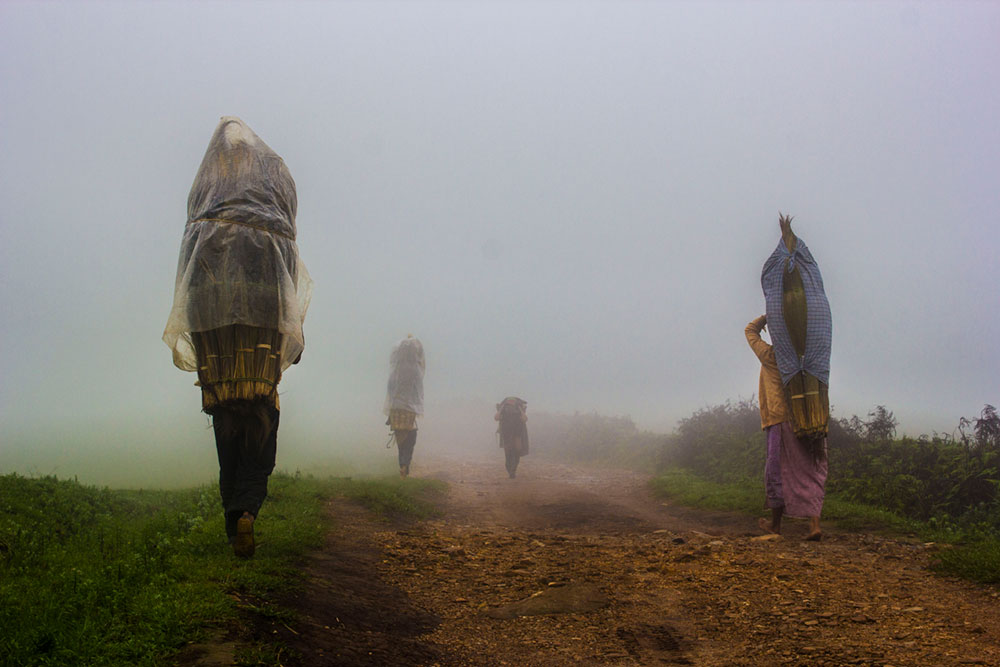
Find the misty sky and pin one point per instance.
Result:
(567, 201)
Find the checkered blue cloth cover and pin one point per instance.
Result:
(819, 324)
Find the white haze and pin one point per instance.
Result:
(567, 201)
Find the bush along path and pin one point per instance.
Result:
(565, 566)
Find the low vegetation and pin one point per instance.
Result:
(101, 577)
(941, 488)
(391, 497)
(591, 438)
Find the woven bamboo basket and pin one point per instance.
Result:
(808, 398)
(238, 363)
(402, 420)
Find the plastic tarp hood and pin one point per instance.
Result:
(405, 390)
(239, 262)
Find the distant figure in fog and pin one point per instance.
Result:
(512, 413)
(404, 398)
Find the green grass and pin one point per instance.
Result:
(689, 489)
(975, 554)
(100, 577)
(978, 561)
(392, 497)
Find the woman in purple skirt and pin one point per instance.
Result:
(795, 472)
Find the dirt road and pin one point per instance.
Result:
(621, 578)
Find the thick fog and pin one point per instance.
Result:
(567, 201)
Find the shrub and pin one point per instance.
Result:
(924, 478)
(593, 438)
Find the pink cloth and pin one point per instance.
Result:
(793, 479)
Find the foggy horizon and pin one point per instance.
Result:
(568, 202)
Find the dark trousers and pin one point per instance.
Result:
(406, 443)
(513, 458)
(246, 449)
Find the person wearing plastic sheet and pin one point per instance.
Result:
(240, 298)
(512, 415)
(404, 399)
(794, 472)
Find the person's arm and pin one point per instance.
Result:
(761, 348)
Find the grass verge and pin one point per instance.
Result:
(102, 577)
(392, 497)
(975, 554)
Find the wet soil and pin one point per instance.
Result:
(665, 585)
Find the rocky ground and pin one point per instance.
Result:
(565, 566)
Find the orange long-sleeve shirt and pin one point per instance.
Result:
(771, 395)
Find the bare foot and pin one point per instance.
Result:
(767, 527)
(814, 537)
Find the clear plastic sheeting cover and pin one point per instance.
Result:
(406, 377)
(239, 263)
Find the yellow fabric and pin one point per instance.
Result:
(402, 420)
(773, 406)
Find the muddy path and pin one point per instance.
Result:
(610, 575)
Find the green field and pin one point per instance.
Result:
(103, 577)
